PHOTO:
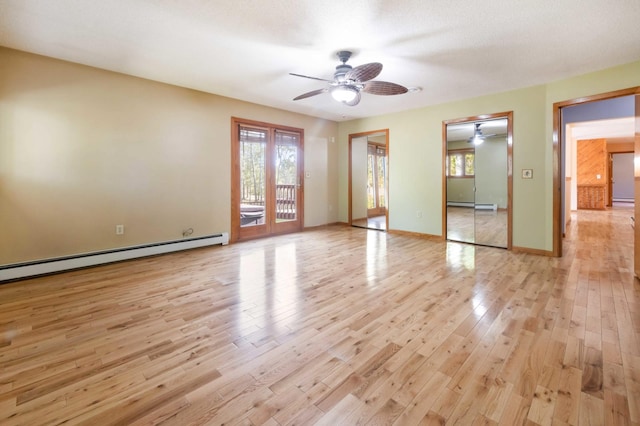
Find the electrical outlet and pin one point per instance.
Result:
(419, 214)
(119, 229)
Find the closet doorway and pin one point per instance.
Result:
(369, 179)
(478, 179)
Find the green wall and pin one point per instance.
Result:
(415, 153)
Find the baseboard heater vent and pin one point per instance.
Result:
(486, 207)
(48, 266)
(477, 206)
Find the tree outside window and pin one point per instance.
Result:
(461, 163)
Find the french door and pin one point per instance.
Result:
(267, 169)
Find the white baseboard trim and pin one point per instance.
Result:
(48, 266)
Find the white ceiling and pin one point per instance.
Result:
(244, 49)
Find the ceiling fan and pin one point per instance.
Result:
(348, 82)
(478, 137)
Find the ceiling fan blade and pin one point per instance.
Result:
(309, 94)
(312, 78)
(384, 88)
(355, 100)
(364, 72)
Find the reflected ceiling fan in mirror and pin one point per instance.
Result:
(349, 82)
(478, 137)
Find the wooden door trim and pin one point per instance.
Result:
(509, 116)
(636, 193)
(235, 164)
(557, 154)
(386, 144)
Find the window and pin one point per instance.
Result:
(461, 163)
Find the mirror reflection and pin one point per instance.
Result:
(477, 182)
(369, 187)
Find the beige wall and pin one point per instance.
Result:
(415, 139)
(82, 150)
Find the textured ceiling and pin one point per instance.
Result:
(244, 49)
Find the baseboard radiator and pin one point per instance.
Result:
(468, 204)
(49, 266)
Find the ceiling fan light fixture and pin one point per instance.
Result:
(477, 137)
(477, 140)
(344, 94)
(349, 83)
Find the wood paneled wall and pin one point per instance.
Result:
(592, 161)
(592, 173)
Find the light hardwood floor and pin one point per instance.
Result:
(485, 227)
(336, 326)
(376, 222)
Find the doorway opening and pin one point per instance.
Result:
(621, 178)
(565, 160)
(369, 179)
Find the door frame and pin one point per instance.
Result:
(558, 168)
(509, 116)
(292, 226)
(386, 144)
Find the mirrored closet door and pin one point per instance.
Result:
(478, 176)
(368, 179)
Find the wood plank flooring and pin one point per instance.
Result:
(335, 326)
(485, 227)
(376, 222)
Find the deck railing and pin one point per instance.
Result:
(285, 202)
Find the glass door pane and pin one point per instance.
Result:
(253, 178)
(287, 177)
(286, 182)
